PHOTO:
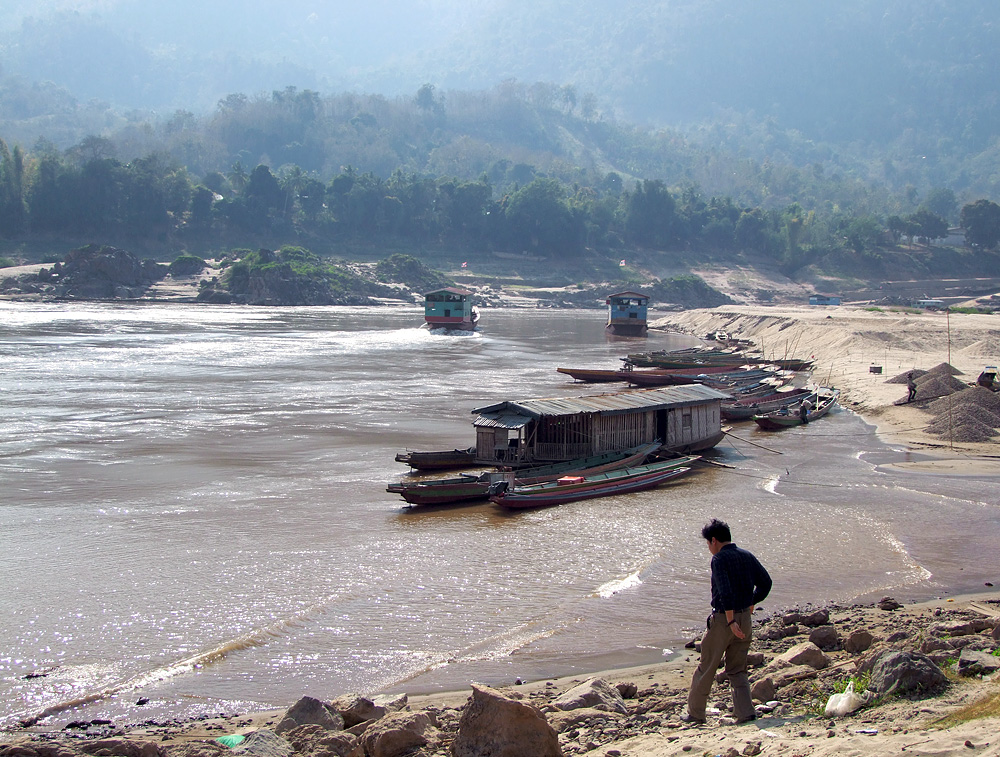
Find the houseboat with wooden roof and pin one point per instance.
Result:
(627, 314)
(528, 432)
(450, 308)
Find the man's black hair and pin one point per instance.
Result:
(717, 529)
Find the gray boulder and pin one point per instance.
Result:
(564, 721)
(398, 733)
(817, 618)
(316, 741)
(858, 641)
(974, 663)
(825, 637)
(595, 693)
(763, 690)
(195, 749)
(310, 710)
(264, 743)
(805, 653)
(354, 709)
(902, 672)
(960, 627)
(115, 747)
(494, 725)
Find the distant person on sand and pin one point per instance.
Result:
(739, 583)
(911, 387)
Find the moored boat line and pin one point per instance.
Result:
(573, 488)
(470, 487)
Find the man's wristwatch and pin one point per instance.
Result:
(733, 621)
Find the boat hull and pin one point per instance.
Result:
(442, 460)
(471, 488)
(591, 487)
(775, 421)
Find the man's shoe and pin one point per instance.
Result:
(736, 721)
(690, 720)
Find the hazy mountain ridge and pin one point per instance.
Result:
(896, 93)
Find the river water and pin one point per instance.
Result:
(193, 512)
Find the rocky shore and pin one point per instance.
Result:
(926, 675)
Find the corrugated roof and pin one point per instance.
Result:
(452, 290)
(604, 404)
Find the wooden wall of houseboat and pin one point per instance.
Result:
(704, 423)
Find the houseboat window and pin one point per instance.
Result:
(686, 419)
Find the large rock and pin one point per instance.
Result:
(825, 637)
(119, 748)
(264, 743)
(764, 690)
(817, 618)
(960, 627)
(563, 721)
(858, 641)
(793, 674)
(805, 653)
(315, 741)
(494, 725)
(354, 709)
(195, 749)
(398, 733)
(972, 663)
(900, 672)
(595, 693)
(310, 710)
(101, 273)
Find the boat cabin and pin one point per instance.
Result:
(450, 308)
(528, 432)
(627, 314)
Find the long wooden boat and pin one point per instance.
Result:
(724, 378)
(470, 487)
(745, 409)
(442, 460)
(573, 488)
(824, 397)
(648, 377)
(694, 358)
(595, 375)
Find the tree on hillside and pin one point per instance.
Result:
(941, 201)
(539, 219)
(650, 215)
(927, 225)
(13, 211)
(981, 221)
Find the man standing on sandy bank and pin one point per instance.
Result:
(739, 583)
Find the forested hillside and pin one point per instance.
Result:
(900, 92)
(814, 138)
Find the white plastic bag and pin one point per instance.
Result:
(846, 702)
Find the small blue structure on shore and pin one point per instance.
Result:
(822, 299)
(627, 314)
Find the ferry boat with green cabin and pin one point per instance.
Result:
(450, 308)
(627, 314)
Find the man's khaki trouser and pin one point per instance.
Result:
(720, 642)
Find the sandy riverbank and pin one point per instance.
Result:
(847, 342)
(656, 697)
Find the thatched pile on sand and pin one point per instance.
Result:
(971, 415)
(902, 378)
(965, 425)
(976, 396)
(946, 368)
